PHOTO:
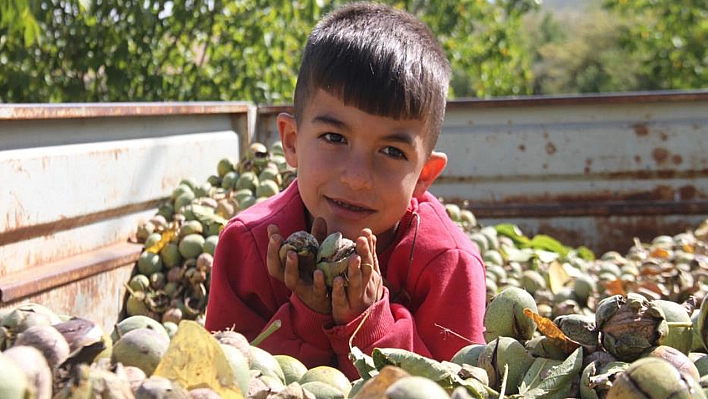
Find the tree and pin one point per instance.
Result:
(16, 17)
(153, 50)
(587, 58)
(669, 36)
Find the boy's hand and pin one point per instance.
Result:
(313, 294)
(365, 284)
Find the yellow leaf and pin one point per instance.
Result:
(614, 287)
(165, 239)
(660, 253)
(375, 387)
(195, 359)
(548, 328)
(557, 277)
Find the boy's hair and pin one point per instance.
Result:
(380, 60)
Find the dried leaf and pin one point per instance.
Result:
(377, 386)
(557, 277)
(614, 287)
(195, 359)
(660, 253)
(548, 328)
(165, 239)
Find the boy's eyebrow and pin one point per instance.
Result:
(402, 138)
(329, 120)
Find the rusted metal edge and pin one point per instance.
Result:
(275, 109)
(525, 101)
(549, 177)
(581, 99)
(102, 110)
(65, 271)
(593, 209)
(42, 229)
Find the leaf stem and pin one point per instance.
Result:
(273, 327)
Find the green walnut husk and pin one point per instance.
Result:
(305, 246)
(680, 361)
(597, 377)
(579, 328)
(414, 387)
(13, 384)
(545, 347)
(505, 315)
(501, 352)
(333, 255)
(653, 378)
(701, 325)
(680, 334)
(629, 325)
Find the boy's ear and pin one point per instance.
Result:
(287, 128)
(431, 170)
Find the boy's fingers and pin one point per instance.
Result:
(319, 229)
(292, 275)
(354, 273)
(272, 229)
(319, 288)
(339, 295)
(373, 251)
(275, 267)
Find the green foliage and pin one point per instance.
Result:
(483, 42)
(619, 45)
(16, 18)
(588, 60)
(185, 50)
(669, 37)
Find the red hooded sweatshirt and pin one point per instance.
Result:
(435, 288)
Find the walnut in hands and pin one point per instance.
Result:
(330, 257)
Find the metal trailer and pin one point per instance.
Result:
(77, 179)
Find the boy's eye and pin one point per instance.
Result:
(333, 137)
(394, 152)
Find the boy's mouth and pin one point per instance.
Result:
(349, 206)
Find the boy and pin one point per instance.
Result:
(369, 103)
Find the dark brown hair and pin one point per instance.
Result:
(381, 60)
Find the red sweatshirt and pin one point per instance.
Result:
(435, 280)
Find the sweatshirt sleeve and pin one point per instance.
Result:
(244, 297)
(449, 297)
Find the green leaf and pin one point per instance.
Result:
(512, 231)
(548, 243)
(585, 253)
(414, 364)
(518, 255)
(363, 363)
(207, 216)
(558, 381)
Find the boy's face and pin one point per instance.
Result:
(357, 170)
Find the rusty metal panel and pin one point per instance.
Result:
(591, 173)
(576, 153)
(72, 185)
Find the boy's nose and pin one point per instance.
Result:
(357, 174)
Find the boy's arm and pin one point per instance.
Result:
(451, 294)
(244, 297)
